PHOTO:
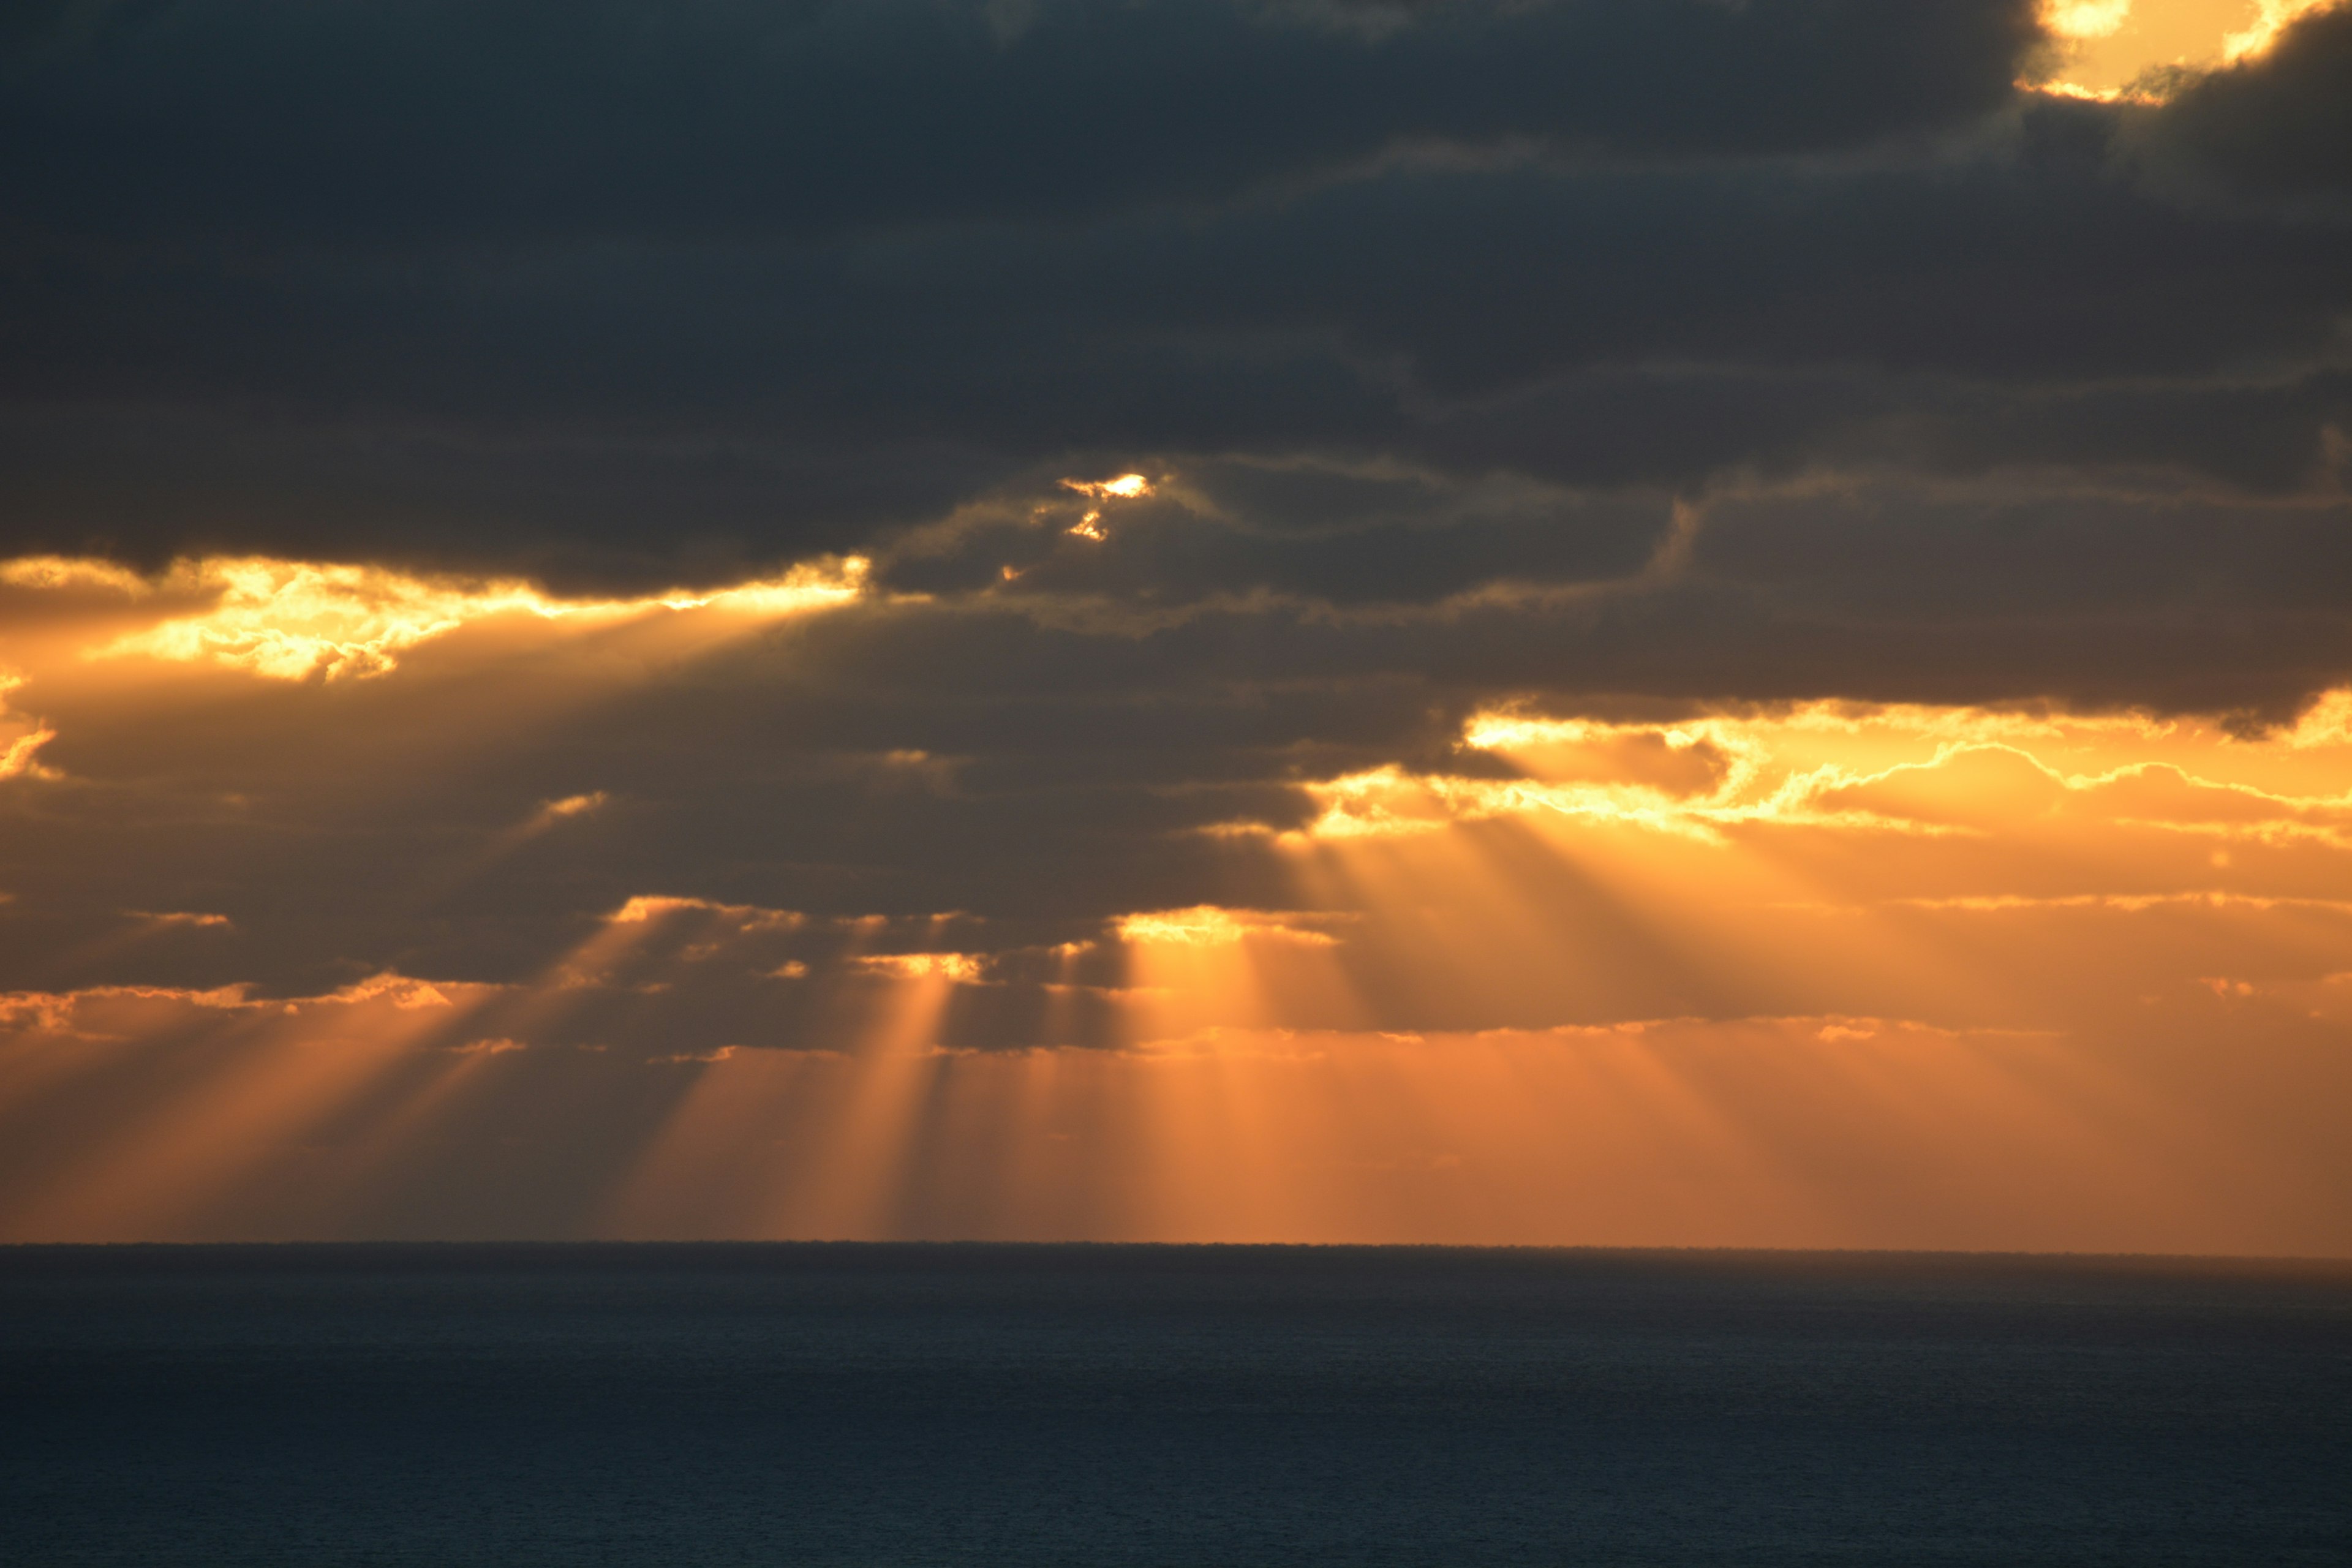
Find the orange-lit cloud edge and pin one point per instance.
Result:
(2097, 59)
(1823, 974)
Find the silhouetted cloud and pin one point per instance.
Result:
(630, 294)
(388, 125)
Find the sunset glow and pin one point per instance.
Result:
(1093, 784)
(1661, 622)
(289, 620)
(1593, 979)
(2107, 46)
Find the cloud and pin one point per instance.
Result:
(2274, 122)
(962, 968)
(295, 619)
(715, 117)
(181, 918)
(21, 756)
(1208, 926)
(742, 284)
(799, 541)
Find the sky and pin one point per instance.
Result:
(1569, 622)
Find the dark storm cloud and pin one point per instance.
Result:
(503, 281)
(665, 406)
(403, 123)
(633, 293)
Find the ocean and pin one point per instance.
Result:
(836, 1404)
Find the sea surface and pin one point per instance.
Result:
(1099, 1405)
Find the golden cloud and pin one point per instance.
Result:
(1841, 764)
(291, 620)
(963, 968)
(1206, 925)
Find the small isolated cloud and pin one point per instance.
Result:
(963, 968)
(181, 918)
(572, 805)
(18, 757)
(400, 990)
(646, 907)
(682, 1059)
(1206, 925)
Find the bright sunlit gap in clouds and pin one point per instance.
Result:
(2109, 47)
(1126, 487)
(1822, 974)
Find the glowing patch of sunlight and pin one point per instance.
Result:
(649, 907)
(53, 573)
(692, 1058)
(2129, 903)
(555, 811)
(18, 758)
(18, 753)
(2326, 722)
(60, 1012)
(187, 917)
(963, 968)
(2077, 91)
(1895, 769)
(290, 620)
(2272, 19)
(1206, 925)
(1507, 731)
(397, 989)
(2142, 52)
(1126, 487)
(1386, 802)
(805, 587)
(2085, 18)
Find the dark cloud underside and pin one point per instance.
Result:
(639, 290)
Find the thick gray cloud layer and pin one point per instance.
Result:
(396, 125)
(628, 291)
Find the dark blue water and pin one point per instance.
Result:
(1132, 1405)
